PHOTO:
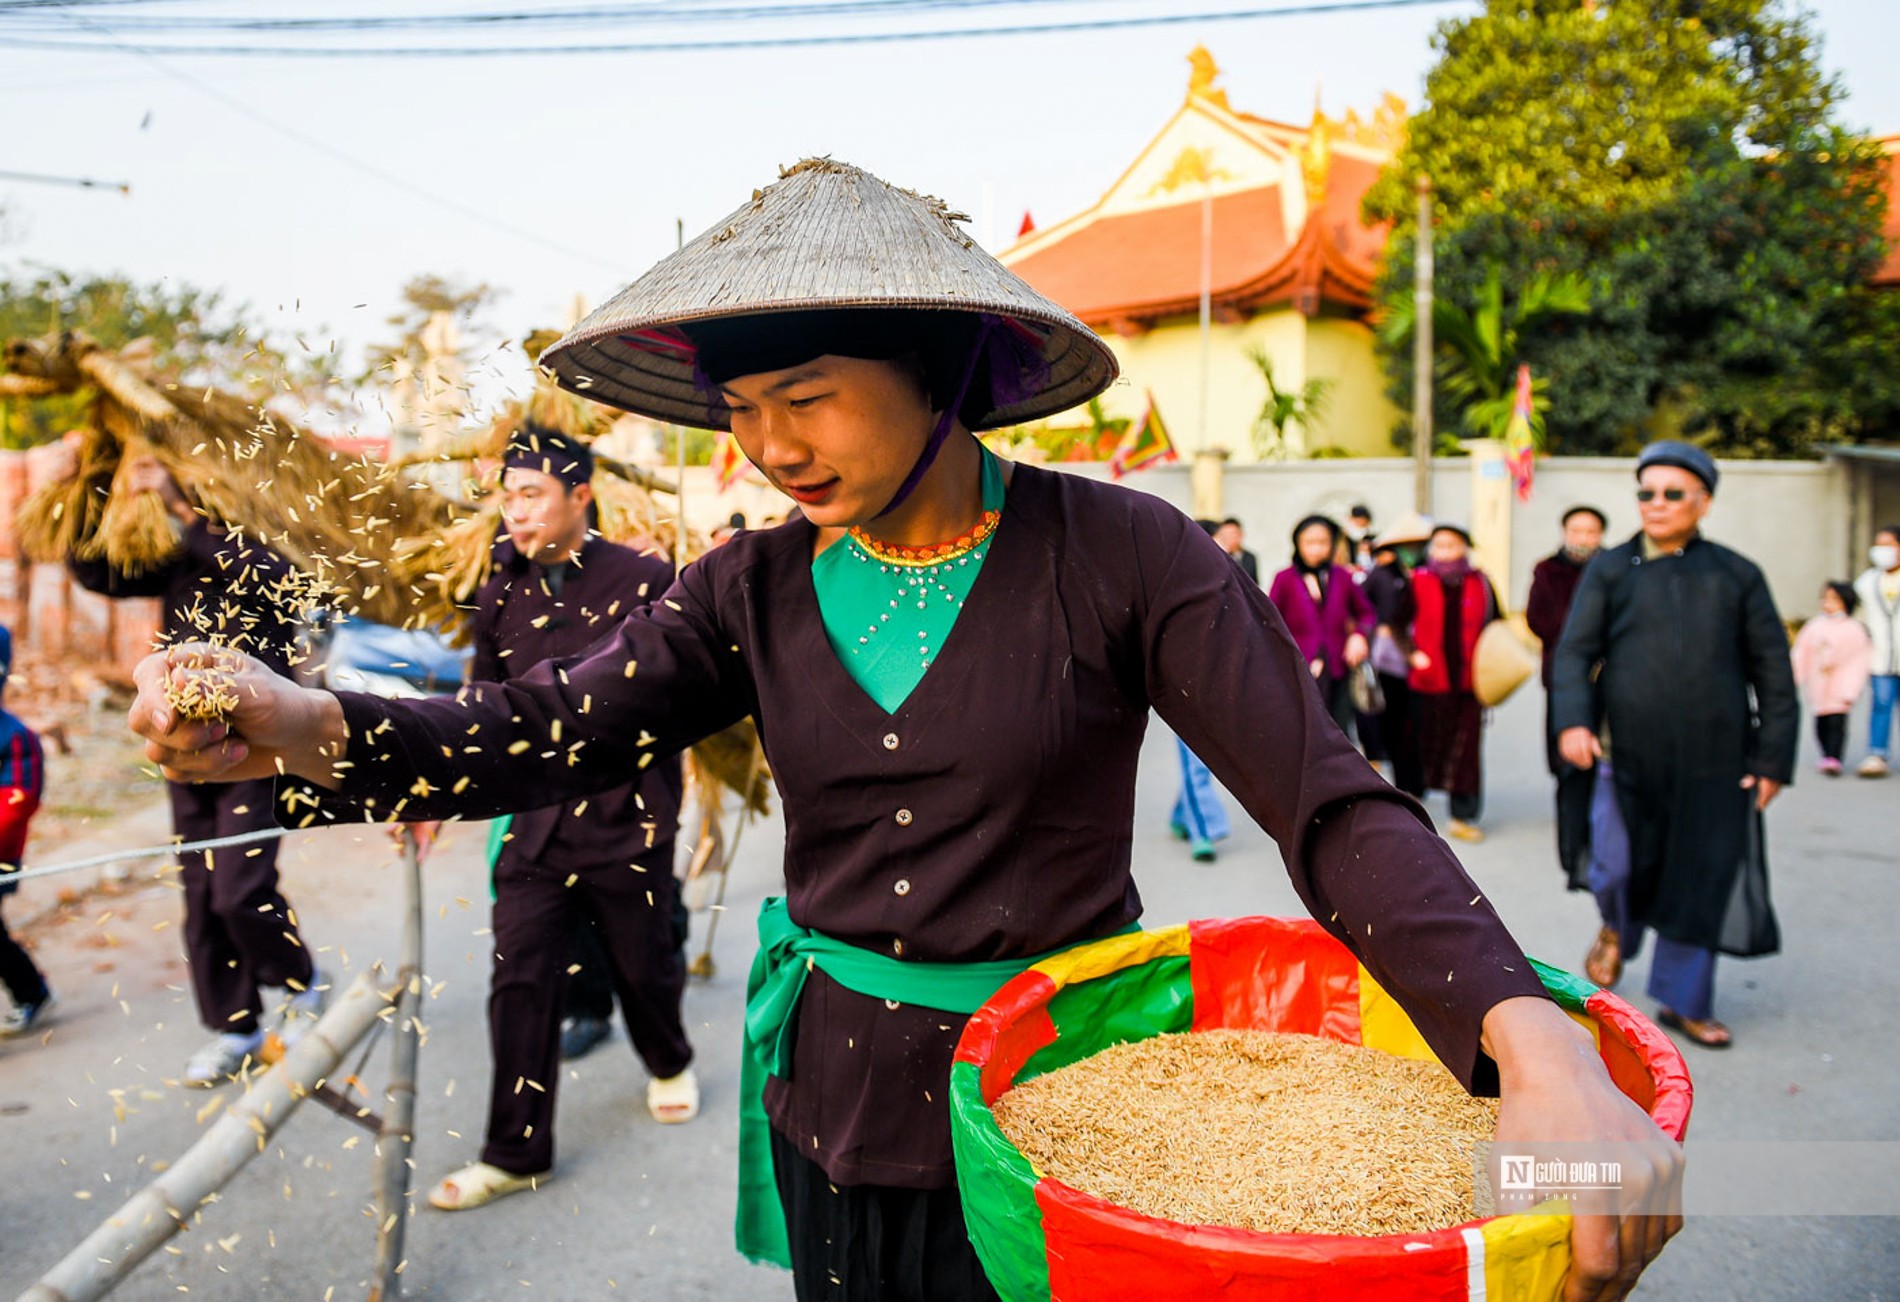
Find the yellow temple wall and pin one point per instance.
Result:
(1167, 362)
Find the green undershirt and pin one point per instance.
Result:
(887, 622)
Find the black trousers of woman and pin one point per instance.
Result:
(1575, 790)
(17, 970)
(873, 1243)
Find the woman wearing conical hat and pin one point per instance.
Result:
(952, 662)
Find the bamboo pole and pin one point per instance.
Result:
(27, 386)
(397, 1139)
(164, 1207)
(126, 386)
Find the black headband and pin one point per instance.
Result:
(536, 447)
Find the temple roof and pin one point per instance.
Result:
(1286, 226)
(1889, 270)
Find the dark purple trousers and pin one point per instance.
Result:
(536, 915)
(240, 932)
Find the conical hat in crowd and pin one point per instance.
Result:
(1413, 528)
(825, 235)
(1501, 663)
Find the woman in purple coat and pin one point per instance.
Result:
(1328, 616)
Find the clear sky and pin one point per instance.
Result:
(312, 190)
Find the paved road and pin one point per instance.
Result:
(643, 1211)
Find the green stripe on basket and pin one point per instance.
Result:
(1152, 998)
(1568, 989)
(998, 1188)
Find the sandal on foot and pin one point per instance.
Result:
(477, 1184)
(1604, 963)
(674, 1099)
(1710, 1034)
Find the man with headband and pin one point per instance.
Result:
(604, 860)
(952, 663)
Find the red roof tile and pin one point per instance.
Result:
(1135, 268)
(1132, 264)
(1889, 272)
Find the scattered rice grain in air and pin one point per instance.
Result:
(1258, 1130)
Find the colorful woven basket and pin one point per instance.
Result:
(1040, 1239)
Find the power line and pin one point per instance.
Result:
(686, 44)
(656, 11)
(82, 182)
(349, 160)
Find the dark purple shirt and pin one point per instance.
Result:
(991, 815)
(1553, 587)
(1320, 628)
(526, 613)
(217, 582)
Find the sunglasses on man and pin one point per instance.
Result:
(1667, 494)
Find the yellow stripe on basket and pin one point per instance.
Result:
(1526, 1256)
(1384, 1025)
(1101, 957)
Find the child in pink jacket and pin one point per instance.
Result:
(1832, 656)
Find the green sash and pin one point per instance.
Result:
(787, 953)
(497, 837)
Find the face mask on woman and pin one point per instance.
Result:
(1884, 557)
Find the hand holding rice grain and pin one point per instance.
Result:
(201, 686)
(1259, 1130)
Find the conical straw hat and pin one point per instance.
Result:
(1413, 528)
(1500, 664)
(825, 235)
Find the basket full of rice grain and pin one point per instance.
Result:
(1237, 1107)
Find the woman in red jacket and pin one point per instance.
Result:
(1454, 602)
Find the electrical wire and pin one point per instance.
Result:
(1173, 17)
(351, 161)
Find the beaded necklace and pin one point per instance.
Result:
(887, 609)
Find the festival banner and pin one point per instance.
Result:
(728, 463)
(1145, 443)
(1519, 445)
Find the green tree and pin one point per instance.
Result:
(1283, 407)
(1478, 352)
(1682, 155)
(426, 300)
(197, 338)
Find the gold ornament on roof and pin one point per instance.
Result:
(1202, 74)
(1383, 133)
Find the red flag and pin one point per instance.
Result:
(1145, 443)
(1028, 227)
(728, 463)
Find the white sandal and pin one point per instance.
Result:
(675, 1099)
(478, 1184)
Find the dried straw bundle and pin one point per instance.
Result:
(53, 521)
(1284, 1134)
(331, 513)
(733, 759)
(135, 531)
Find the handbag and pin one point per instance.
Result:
(1363, 685)
(1388, 657)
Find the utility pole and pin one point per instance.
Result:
(1422, 355)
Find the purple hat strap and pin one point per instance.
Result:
(928, 456)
